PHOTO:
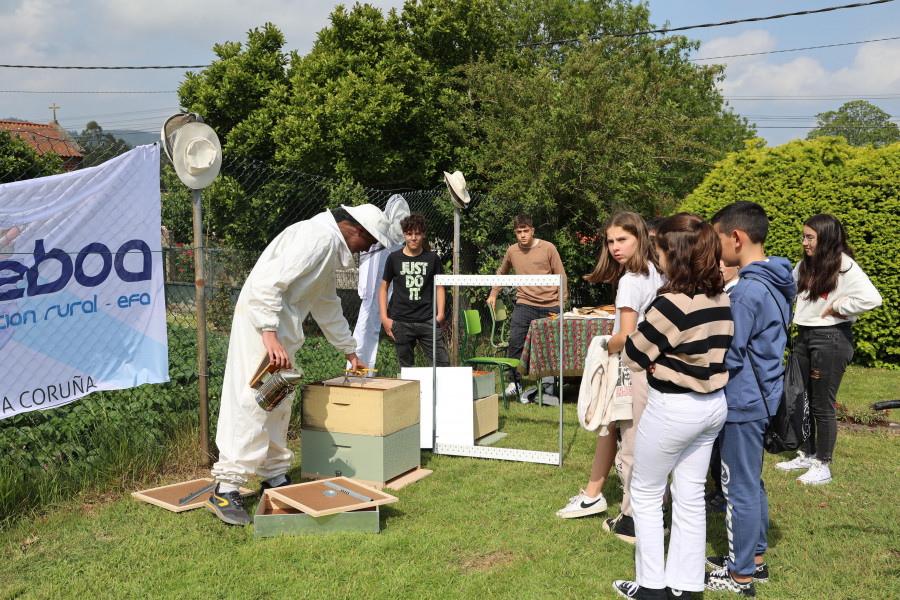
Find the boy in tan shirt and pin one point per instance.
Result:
(530, 256)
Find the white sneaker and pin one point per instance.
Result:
(512, 388)
(819, 473)
(802, 461)
(582, 505)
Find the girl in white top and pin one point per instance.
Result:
(629, 264)
(832, 292)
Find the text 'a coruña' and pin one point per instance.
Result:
(44, 397)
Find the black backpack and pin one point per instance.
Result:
(789, 428)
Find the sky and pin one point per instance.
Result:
(781, 92)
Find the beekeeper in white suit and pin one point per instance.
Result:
(293, 278)
(371, 268)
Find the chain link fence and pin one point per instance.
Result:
(107, 434)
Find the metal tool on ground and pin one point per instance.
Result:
(351, 493)
(197, 493)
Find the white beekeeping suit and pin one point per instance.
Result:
(371, 268)
(293, 277)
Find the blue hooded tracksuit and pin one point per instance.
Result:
(761, 306)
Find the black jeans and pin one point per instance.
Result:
(523, 315)
(824, 353)
(407, 334)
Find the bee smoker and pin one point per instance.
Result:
(276, 388)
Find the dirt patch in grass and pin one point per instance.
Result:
(487, 562)
(888, 426)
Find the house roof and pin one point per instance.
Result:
(50, 137)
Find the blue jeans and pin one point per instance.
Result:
(824, 353)
(522, 316)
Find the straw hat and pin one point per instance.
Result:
(459, 193)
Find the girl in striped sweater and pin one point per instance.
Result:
(682, 345)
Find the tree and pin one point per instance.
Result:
(388, 100)
(99, 146)
(361, 105)
(20, 161)
(618, 124)
(234, 87)
(859, 122)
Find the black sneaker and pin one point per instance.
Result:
(678, 594)
(622, 526)
(265, 485)
(721, 580)
(229, 507)
(720, 562)
(715, 502)
(631, 589)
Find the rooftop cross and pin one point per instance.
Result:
(54, 107)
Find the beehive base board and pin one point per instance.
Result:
(491, 438)
(398, 482)
(167, 496)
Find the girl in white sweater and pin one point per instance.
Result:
(832, 291)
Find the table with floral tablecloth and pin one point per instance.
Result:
(540, 357)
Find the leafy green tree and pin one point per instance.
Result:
(99, 146)
(361, 105)
(234, 87)
(391, 100)
(861, 123)
(619, 124)
(20, 161)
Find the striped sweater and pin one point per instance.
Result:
(686, 338)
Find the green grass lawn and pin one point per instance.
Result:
(473, 529)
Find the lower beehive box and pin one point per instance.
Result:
(486, 414)
(366, 457)
(274, 518)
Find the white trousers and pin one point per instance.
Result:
(250, 440)
(675, 435)
(367, 332)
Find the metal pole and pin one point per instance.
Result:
(202, 362)
(562, 324)
(454, 348)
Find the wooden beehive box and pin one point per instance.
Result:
(486, 413)
(274, 518)
(336, 504)
(378, 407)
(483, 384)
(366, 457)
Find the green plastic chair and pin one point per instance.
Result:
(499, 325)
(472, 322)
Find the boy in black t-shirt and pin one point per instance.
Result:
(408, 317)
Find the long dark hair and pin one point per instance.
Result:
(693, 251)
(608, 270)
(818, 274)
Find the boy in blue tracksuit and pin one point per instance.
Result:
(761, 307)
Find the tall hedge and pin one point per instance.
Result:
(859, 185)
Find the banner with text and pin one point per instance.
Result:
(82, 305)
